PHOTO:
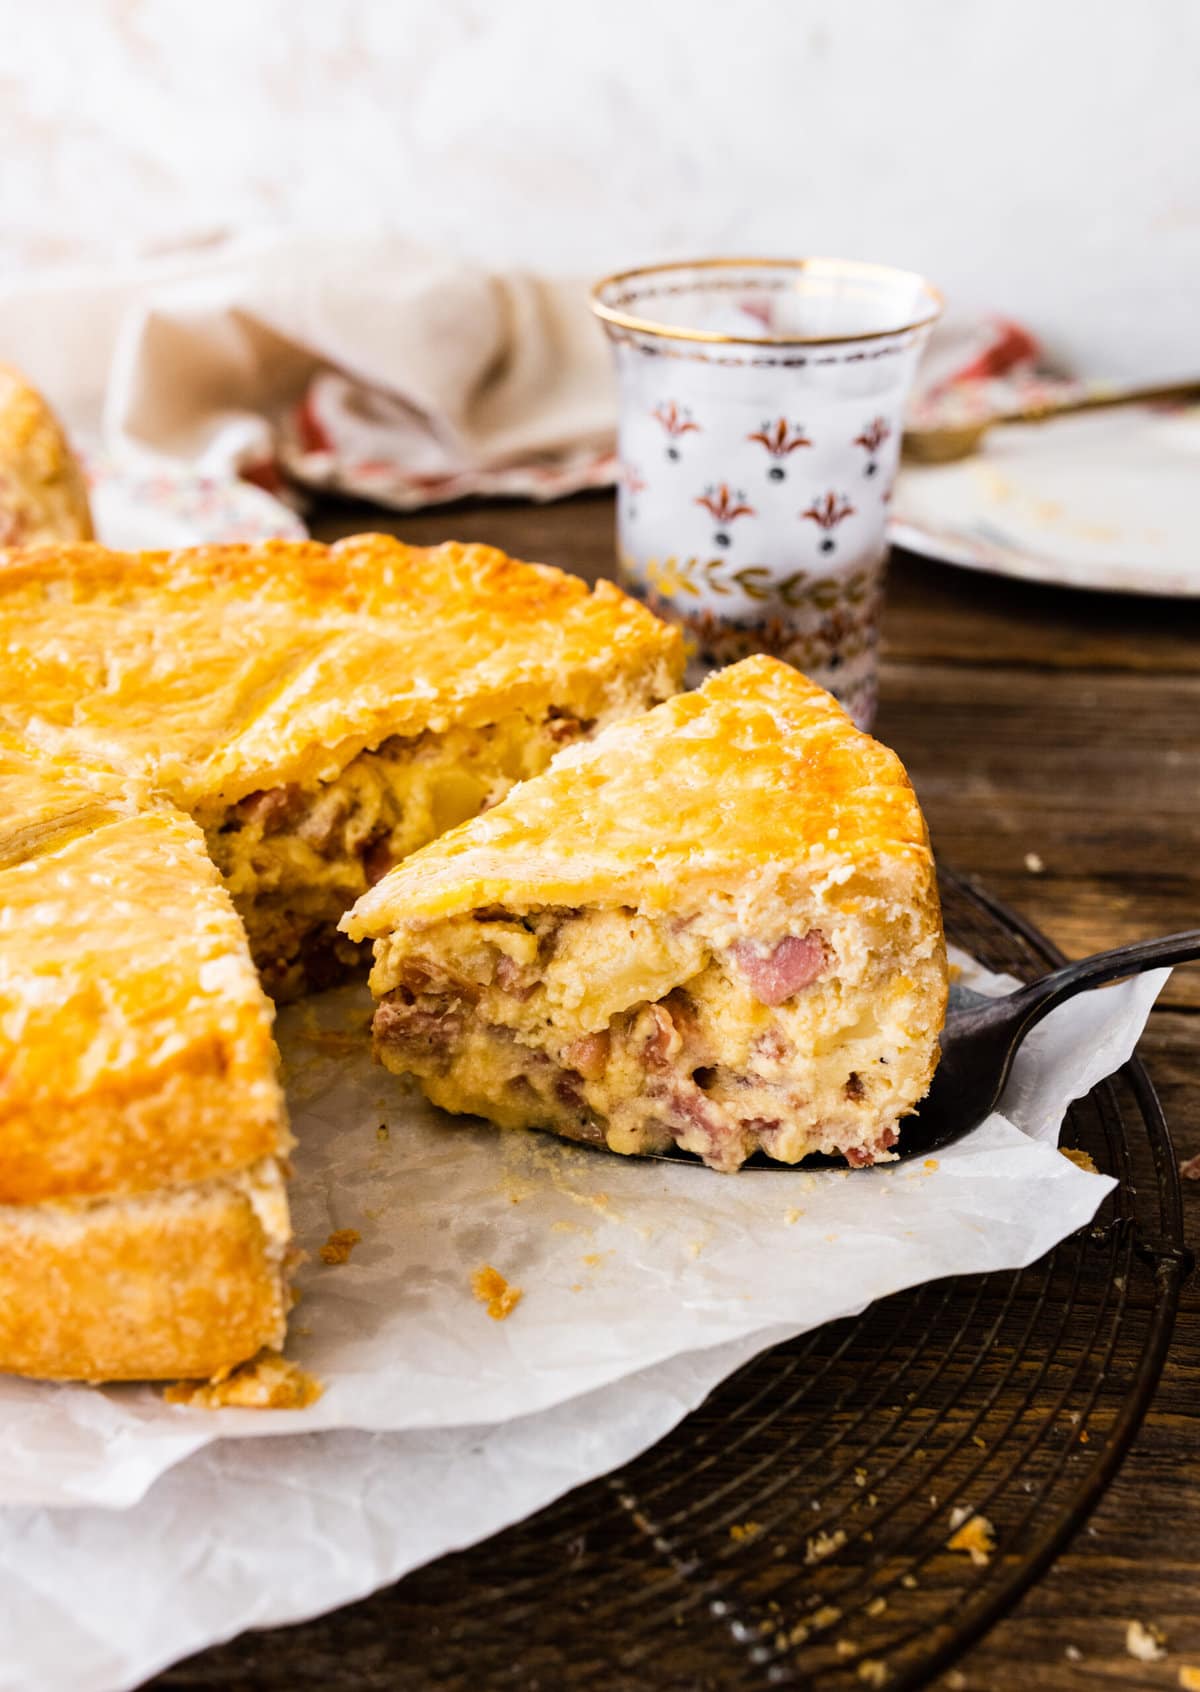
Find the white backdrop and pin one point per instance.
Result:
(1042, 157)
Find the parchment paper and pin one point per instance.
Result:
(644, 1285)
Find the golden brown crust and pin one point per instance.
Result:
(135, 1040)
(756, 776)
(43, 495)
(218, 671)
(179, 1284)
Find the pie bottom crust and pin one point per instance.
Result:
(179, 1282)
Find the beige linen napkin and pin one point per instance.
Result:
(371, 367)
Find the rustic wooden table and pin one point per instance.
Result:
(1054, 740)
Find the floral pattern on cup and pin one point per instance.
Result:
(760, 417)
(827, 512)
(676, 422)
(780, 439)
(725, 508)
(871, 438)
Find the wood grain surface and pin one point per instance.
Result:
(1054, 740)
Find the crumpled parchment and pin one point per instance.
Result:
(644, 1284)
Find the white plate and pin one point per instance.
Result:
(137, 509)
(1107, 500)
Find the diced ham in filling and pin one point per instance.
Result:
(795, 963)
(661, 1071)
(436, 1031)
(271, 809)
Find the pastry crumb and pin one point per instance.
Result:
(877, 1606)
(494, 1292)
(792, 1216)
(930, 1164)
(268, 1382)
(740, 1531)
(823, 1545)
(974, 1534)
(1081, 1159)
(827, 1615)
(339, 1245)
(910, 1581)
(383, 1132)
(1189, 1677)
(872, 1672)
(1145, 1642)
(1074, 1655)
(860, 1477)
(845, 1647)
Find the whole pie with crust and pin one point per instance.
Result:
(715, 926)
(205, 757)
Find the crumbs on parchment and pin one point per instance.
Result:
(494, 1292)
(339, 1245)
(266, 1382)
(1081, 1159)
(973, 1534)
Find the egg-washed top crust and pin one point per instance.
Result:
(722, 794)
(135, 1040)
(216, 671)
(43, 496)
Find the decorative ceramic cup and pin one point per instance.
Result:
(761, 403)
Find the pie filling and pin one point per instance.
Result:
(615, 1029)
(295, 858)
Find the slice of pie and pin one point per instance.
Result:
(716, 926)
(320, 712)
(143, 1220)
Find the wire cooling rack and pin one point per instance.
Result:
(793, 1531)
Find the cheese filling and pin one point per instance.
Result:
(295, 858)
(614, 1028)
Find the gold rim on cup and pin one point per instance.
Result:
(818, 268)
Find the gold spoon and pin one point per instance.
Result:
(944, 443)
